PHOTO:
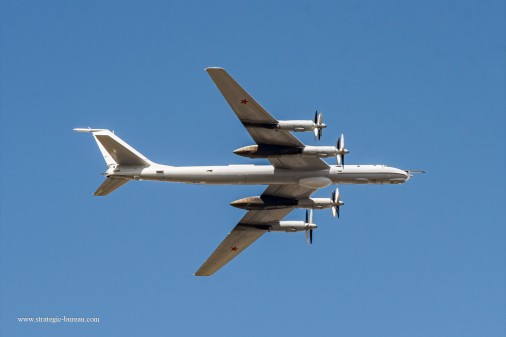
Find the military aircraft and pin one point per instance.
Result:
(296, 172)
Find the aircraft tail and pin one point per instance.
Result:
(116, 152)
(109, 185)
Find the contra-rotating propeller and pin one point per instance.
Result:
(341, 150)
(309, 221)
(318, 125)
(336, 202)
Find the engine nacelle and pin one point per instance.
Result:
(270, 202)
(293, 125)
(264, 203)
(315, 203)
(267, 151)
(319, 151)
(291, 226)
(275, 151)
(296, 126)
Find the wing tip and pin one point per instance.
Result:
(201, 274)
(208, 69)
(88, 130)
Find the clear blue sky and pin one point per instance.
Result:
(412, 84)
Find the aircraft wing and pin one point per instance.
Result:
(251, 227)
(260, 124)
(235, 242)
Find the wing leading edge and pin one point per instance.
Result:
(262, 127)
(235, 242)
(260, 124)
(251, 227)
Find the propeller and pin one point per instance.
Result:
(336, 202)
(318, 125)
(309, 220)
(341, 150)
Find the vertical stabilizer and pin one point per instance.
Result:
(115, 151)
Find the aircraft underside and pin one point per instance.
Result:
(296, 172)
(266, 175)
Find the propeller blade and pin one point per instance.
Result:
(340, 150)
(318, 125)
(310, 236)
(311, 216)
(307, 219)
(335, 202)
(306, 236)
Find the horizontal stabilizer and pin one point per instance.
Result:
(415, 171)
(88, 130)
(110, 185)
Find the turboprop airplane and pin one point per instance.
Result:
(296, 172)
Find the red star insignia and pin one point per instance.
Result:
(233, 248)
(244, 101)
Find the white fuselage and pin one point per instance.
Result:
(264, 175)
